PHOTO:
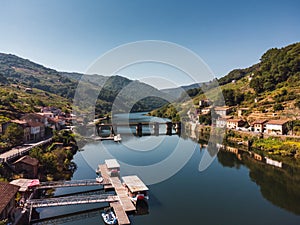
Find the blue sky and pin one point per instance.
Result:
(68, 35)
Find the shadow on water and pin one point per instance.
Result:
(142, 207)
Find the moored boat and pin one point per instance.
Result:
(99, 179)
(117, 138)
(109, 217)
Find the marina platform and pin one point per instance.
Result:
(121, 201)
(124, 204)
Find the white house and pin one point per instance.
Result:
(221, 122)
(276, 127)
(234, 123)
(223, 111)
(47, 114)
(205, 110)
(259, 125)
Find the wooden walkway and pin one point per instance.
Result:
(104, 174)
(73, 200)
(124, 204)
(73, 183)
(122, 193)
(120, 213)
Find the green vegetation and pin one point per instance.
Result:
(275, 146)
(296, 127)
(237, 74)
(14, 101)
(13, 135)
(26, 86)
(23, 72)
(170, 111)
(272, 85)
(56, 159)
(233, 97)
(276, 67)
(3, 222)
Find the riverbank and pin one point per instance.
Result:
(55, 159)
(226, 171)
(273, 146)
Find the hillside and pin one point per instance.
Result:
(271, 86)
(16, 100)
(177, 92)
(17, 74)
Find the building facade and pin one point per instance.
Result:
(278, 127)
(234, 123)
(8, 194)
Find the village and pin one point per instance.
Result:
(36, 130)
(129, 191)
(30, 131)
(240, 119)
(36, 126)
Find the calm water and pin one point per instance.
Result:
(230, 191)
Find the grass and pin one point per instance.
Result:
(278, 147)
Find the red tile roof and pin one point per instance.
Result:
(7, 192)
(277, 122)
(28, 160)
(35, 124)
(260, 121)
(20, 122)
(32, 116)
(234, 120)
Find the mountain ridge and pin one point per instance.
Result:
(16, 71)
(270, 86)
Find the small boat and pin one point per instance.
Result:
(139, 197)
(99, 179)
(117, 138)
(109, 217)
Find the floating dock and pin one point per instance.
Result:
(121, 202)
(124, 205)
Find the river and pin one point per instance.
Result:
(229, 191)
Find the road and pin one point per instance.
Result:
(18, 151)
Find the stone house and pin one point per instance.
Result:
(28, 166)
(34, 117)
(234, 123)
(259, 125)
(221, 122)
(37, 124)
(223, 110)
(8, 194)
(26, 129)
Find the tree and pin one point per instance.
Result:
(278, 107)
(14, 134)
(257, 84)
(229, 97)
(297, 104)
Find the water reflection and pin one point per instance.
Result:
(280, 186)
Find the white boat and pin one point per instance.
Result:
(99, 179)
(117, 138)
(140, 197)
(109, 217)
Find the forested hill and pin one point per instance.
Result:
(22, 73)
(276, 67)
(274, 81)
(19, 71)
(272, 85)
